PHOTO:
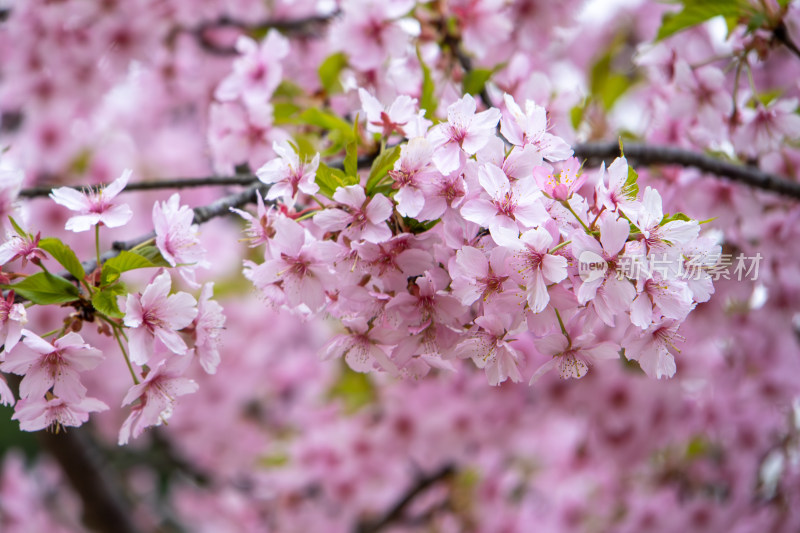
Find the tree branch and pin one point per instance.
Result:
(176, 183)
(648, 155)
(395, 513)
(594, 153)
(304, 27)
(781, 33)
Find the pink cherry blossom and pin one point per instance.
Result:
(259, 228)
(25, 248)
(464, 130)
(40, 413)
(258, 72)
(572, 354)
(297, 264)
(490, 349)
(155, 314)
(208, 326)
(651, 348)
(767, 127)
(362, 346)
(176, 237)
(56, 365)
(400, 117)
(6, 395)
(505, 208)
(536, 267)
(618, 193)
(648, 216)
(95, 207)
(412, 172)
(287, 175)
(561, 185)
(530, 128)
(476, 276)
(156, 396)
(359, 217)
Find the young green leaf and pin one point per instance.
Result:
(105, 300)
(44, 288)
(330, 70)
(427, 100)
(124, 262)
(64, 255)
(695, 12)
(381, 166)
(329, 179)
(21, 232)
(475, 80)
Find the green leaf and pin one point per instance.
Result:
(576, 115)
(330, 70)
(329, 179)
(351, 153)
(21, 232)
(677, 216)
(44, 288)
(105, 300)
(631, 187)
(695, 12)
(475, 80)
(381, 166)
(327, 121)
(354, 389)
(124, 262)
(284, 113)
(427, 100)
(416, 227)
(64, 255)
(605, 84)
(153, 254)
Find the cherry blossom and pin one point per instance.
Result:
(176, 237)
(489, 348)
(412, 172)
(56, 365)
(536, 267)
(258, 72)
(464, 130)
(530, 128)
(155, 314)
(95, 207)
(156, 397)
(287, 175)
(359, 217)
(208, 326)
(25, 248)
(401, 116)
(41, 413)
(509, 208)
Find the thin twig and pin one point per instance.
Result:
(397, 510)
(304, 27)
(781, 33)
(176, 183)
(594, 153)
(644, 154)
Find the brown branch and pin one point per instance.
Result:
(176, 183)
(648, 155)
(305, 27)
(105, 506)
(395, 513)
(781, 34)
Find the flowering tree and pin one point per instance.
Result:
(465, 265)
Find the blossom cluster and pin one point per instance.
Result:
(472, 239)
(163, 332)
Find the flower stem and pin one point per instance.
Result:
(569, 208)
(97, 243)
